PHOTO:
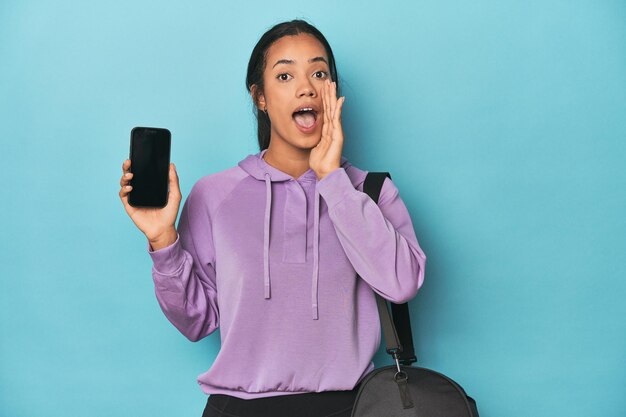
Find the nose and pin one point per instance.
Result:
(306, 88)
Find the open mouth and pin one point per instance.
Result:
(305, 117)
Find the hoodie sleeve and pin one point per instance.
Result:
(378, 239)
(184, 273)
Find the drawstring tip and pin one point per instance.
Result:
(267, 291)
(315, 317)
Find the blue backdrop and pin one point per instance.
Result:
(503, 124)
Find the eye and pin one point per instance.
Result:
(283, 77)
(320, 74)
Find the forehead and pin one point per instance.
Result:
(299, 48)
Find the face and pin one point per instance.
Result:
(295, 71)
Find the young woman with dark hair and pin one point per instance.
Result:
(268, 251)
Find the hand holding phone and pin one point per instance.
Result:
(147, 210)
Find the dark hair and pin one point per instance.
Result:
(258, 60)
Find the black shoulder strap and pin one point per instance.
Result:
(400, 325)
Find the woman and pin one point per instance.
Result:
(269, 250)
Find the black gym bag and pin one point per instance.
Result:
(403, 390)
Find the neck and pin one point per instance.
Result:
(292, 162)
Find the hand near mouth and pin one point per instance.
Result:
(326, 156)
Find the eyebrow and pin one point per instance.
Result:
(291, 61)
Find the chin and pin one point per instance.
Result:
(312, 141)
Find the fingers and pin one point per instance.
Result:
(127, 175)
(332, 105)
(325, 111)
(333, 98)
(124, 194)
(124, 181)
(173, 175)
(329, 99)
(331, 128)
(338, 109)
(173, 179)
(124, 190)
(326, 103)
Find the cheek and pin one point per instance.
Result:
(279, 112)
(279, 104)
(279, 96)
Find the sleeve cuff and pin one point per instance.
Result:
(335, 186)
(169, 259)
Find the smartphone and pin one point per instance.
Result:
(149, 163)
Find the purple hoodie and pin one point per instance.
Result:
(261, 256)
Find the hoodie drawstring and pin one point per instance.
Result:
(266, 235)
(316, 234)
(266, 245)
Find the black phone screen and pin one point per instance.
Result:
(149, 163)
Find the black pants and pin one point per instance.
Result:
(310, 404)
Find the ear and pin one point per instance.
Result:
(257, 97)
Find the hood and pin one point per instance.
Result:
(256, 167)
